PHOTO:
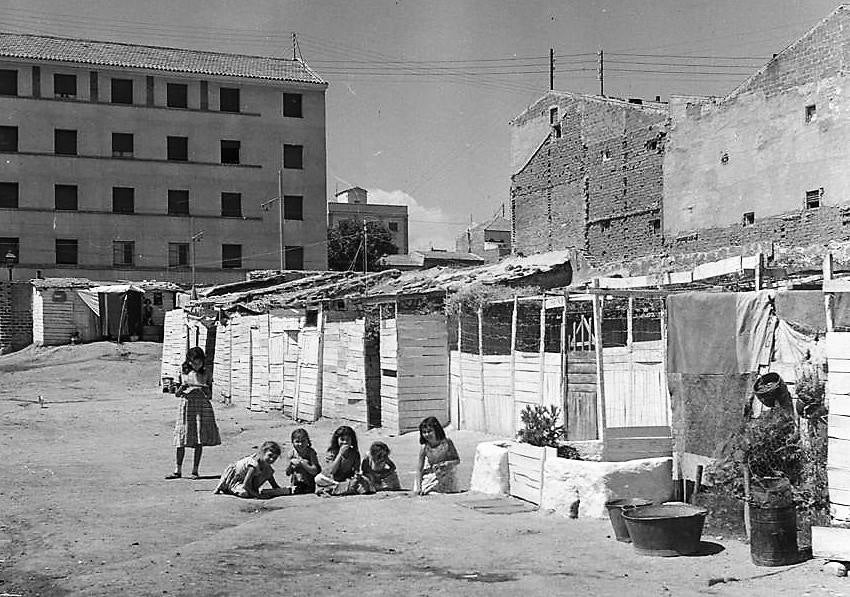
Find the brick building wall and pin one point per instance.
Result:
(15, 316)
(738, 169)
(597, 186)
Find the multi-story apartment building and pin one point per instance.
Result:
(352, 204)
(131, 162)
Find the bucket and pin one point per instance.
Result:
(770, 390)
(665, 529)
(773, 536)
(615, 513)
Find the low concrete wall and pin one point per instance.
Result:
(567, 481)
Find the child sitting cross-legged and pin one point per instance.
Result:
(341, 474)
(379, 470)
(303, 463)
(245, 478)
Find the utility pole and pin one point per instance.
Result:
(601, 73)
(280, 217)
(365, 249)
(551, 69)
(294, 45)
(195, 238)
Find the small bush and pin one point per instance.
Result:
(541, 426)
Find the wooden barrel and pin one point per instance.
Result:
(773, 536)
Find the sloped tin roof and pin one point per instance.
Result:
(123, 55)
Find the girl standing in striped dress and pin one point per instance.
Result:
(196, 425)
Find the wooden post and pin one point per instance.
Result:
(320, 360)
(600, 377)
(542, 352)
(564, 364)
(747, 479)
(484, 426)
(630, 313)
(513, 364)
(460, 396)
(758, 272)
(827, 297)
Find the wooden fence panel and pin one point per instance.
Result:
(838, 425)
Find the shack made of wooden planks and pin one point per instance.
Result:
(838, 425)
(414, 370)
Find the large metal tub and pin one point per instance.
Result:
(665, 529)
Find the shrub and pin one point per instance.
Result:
(541, 426)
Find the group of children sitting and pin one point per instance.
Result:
(343, 473)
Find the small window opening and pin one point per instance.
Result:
(724, 158)
(749, 218)
(606, 155)
(811, 112)
(813, 198)
(553, 115)
(655, 224)
(312, 319)
(556, 130)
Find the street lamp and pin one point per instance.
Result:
(10, 259)
(195, 238)
(266, 204)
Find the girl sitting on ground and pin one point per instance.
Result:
(245, 478)
(438, 460)
(340, 475)
(379, 470)
(303, 463)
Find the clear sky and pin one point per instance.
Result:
(421, 92)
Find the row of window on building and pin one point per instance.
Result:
(124, 254)
(66, 198)
(121, 92)
(65, 143)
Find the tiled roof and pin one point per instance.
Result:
(122, 55)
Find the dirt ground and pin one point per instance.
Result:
(85, 510)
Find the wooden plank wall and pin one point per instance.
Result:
(174, 343)
(423, 369)
(636, 385)
(291, 355)
(57, 318)
(331, 381)
(389, 375)
(240, 360)
(525, 463)
(351, 371)
(838, 424)
(498, 400)
(221, 368)
(308, 382)
(37, 317)
(259, 363)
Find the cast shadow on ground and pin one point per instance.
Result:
(707, 548)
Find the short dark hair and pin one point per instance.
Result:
(300, 433)
(272, 447)
(431, 423)
(377, 448)
(193, 353)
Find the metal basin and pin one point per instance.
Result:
(615, 513)
(665, 529)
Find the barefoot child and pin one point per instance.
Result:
(245, 478)
(342, 462)
(303, 463)
(438, 460)
(379, 469)
(195, 427)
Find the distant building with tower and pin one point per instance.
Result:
(116, 156)
(352, 205)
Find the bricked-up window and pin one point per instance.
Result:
(553, 115)
(178, 254)
(230, 152)
(292, 105)
(9, 195)
(122, 145)
(123, 200)
(294, 257)
(122, 91)
(293, 157)
(231, 205)
(228, 99)
(231, 256)
(813, 198)
(65, 197)
(749, 218)
(178, 203)
(8, 138)
(8, 82)
(606, 155)
(10, 244)
(64, 85)
(293, 207)
(655, 224)
(66, 251)
(123, 252)
(178, 148)
(177, 95)
(811, 112)
(393, 226)
(64, 142)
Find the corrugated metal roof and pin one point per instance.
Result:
(122, 55)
